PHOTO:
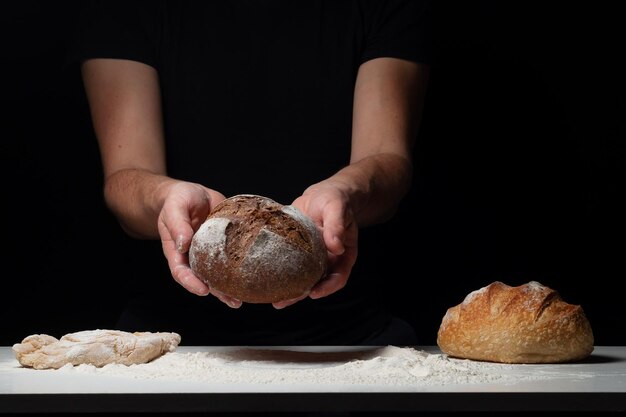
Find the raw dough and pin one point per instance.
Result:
(95, 347)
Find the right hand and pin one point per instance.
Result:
(328, 205)
(185, 207)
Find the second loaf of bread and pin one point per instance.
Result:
(529, 323)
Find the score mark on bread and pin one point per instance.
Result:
(529, 323)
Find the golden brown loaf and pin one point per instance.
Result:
(258, 251)
(529, 323)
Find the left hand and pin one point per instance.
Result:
(329, 207)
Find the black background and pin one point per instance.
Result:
(519, 173)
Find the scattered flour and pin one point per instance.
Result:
(390, 365)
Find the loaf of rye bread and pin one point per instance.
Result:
(258, 251)
(529, 323)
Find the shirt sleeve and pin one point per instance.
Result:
(116, 29)
(398, 29)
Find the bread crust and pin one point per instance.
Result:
(258, 251)
(529, 323)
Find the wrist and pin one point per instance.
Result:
(158, 189)
(136, 198)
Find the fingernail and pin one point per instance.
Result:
(179, 244)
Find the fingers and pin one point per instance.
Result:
(226, 299)
(181, 215)
(339, 272)
(180, 270)
(186, 206)
(175, 246)
(329, 285)
(337, 218)
(182, 273)
(331, 211)
(286, 303)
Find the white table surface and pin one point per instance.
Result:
(596, 384)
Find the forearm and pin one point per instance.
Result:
(388, 99)
(124, 99)
(374, 186)
(136, 198)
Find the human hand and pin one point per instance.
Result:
(328, 206)
(186, 206)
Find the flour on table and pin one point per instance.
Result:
(388, 365)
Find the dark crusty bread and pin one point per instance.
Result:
(258, 251)
(529, 323)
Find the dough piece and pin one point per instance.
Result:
(525, 324)
(94, 347)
